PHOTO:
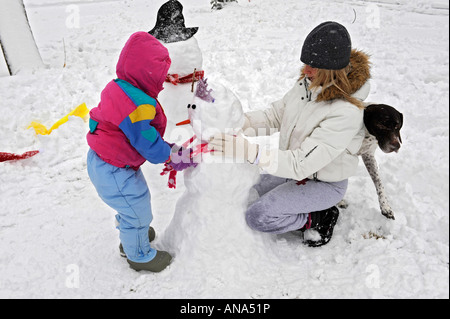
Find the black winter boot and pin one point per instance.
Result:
(157, 264)
(323, 222)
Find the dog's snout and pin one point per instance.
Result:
(396, 148)
(391, 145)
(395, 145)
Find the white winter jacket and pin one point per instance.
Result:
(318, 140)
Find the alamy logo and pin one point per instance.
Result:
(73, 19)
(373, 277)
(73, 278)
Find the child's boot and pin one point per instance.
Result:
(151, 237)
(157, 264)
(323, 222)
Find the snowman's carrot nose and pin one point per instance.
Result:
(184, 122)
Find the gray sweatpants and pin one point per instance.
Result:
(284, 204)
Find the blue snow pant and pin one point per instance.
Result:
(125, 190)
(284, 204)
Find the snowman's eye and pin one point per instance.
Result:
(189, 105)
(194, 106)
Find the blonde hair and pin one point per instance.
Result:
(334, 78)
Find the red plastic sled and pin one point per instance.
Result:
(14, 157)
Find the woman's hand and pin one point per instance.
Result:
(236, 147)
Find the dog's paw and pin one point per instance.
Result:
(388, 213)
(342, 204)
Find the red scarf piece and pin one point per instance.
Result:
(172, 175)
(198, 149)
(175, 78)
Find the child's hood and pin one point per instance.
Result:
(144, 63)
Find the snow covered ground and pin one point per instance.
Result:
(58, 239)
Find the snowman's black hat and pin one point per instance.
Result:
(170, 24)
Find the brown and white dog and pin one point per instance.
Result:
(383, 124)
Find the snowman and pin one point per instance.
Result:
(208, 226)
(185, 69)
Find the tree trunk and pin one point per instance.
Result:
(16, 39)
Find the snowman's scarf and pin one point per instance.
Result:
(198, 149)
(175, 79)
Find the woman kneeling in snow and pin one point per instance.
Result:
(321, 127)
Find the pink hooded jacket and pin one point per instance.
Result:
(128, 125)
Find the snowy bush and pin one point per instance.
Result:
(218, 4)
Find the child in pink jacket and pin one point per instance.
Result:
(125, 130)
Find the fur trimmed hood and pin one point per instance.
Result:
(359, 74)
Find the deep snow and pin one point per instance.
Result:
(58, 239)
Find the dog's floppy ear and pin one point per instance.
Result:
(368, 114)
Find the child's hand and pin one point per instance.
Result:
(181, 158)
